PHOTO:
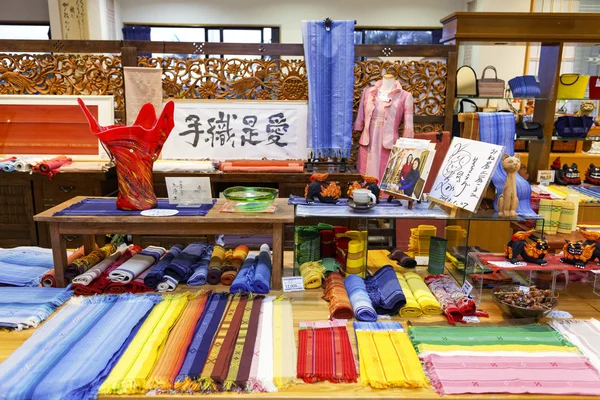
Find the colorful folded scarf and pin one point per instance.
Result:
(284, 344)
(171, 359)
(84, 263)
(385, 292)
(567, 214)
(325, 354)
(135, 286)
(337, 296)
(427, 301)
(411, 308)
(233, 263)
(359, 298)
(262, 271)
(200, 272)
(195, 358)
(312, 273)
(387, 358)
(216, 265)
(261, 370)
(137, 264)
(49, 278)
(243, 379)
(308, 244)
(506, 374)
(25, 307)
(87, 277)
(511, 348)
(455, 303)
(356, 251)
(98, 285)
(73, 351)
(244, 279)
(239, 369)
(379, 258)
(156, 275)
(130, 374)
(217, 363)
(77, 377)
(181, 267)
(341, 245)
(327, 244)
(585, 334)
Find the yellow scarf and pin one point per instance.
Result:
(312, 274)
(411, 309)
(134, 367)
(427, 301)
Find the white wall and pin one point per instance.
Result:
(288, 14)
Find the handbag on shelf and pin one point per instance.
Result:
(572, 86)
(530, 129)
(490, 87)
(455, 123)
(466, 82)
(573, 127)
(594, 88)
(525, 86)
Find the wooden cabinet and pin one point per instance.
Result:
(16, 211)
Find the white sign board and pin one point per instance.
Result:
(466, 172)
(188, 190)
(292, 283)
(222, 130)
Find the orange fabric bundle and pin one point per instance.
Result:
(262, 166)
(49, 279)
(337, 296)
(232, 263)
(173, 355)
(52, 166)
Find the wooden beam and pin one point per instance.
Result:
(452, 64)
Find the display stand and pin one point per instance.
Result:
(393, 195)
(450, 209)
(212, 223)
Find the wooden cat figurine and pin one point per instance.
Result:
(508, 200)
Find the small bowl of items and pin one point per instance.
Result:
(250, 199)
(519, 302)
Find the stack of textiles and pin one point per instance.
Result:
(183, 266)
(232, 264)
(137, 264)
(312, 273)
(52, 166)
(456, 263)
(589, 193)
(308, 244)
(157, 274)
(503, 359)
(24, 266)
(18, 164)
(255, 274)
(187, 165)
(337, 296)
(25, 307)
(585, 334)
(359, 299)
(353, 244)
(387, 358)
(378, 259)
(325, 353)
(456, 235)
(420, 237)
(49, 278)
(82, 264)
(70, 355)
(491, 279)
(385, 291)
(8, 164)
(455, 303)
(279, 166)
(558, 216)
(426, 300)
(215, 265)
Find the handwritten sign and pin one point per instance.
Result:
(292, 284)
(222, 130)
(467, 288)
(466, 172)
(189, 191)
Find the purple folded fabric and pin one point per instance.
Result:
(183, 264)
(92, 207)
(385, 292)
(157, 273)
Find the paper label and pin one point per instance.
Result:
(524, 289)
(559, 314)
(467, 288)
(292, 284)
(188, 190)
(545, 177)
(508, 264)
(158, 212)
(471, 320)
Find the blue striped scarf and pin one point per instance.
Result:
(329, 57)
(201, 269)
(24, 307)
(157, 273)
(24, 266)
(359, 298)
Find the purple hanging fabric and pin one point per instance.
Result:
(137, 32)
(500, 129)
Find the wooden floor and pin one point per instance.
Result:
(578, 300)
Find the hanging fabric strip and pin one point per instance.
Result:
(261, 371)
(284, 344)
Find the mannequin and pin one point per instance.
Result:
(383, 107)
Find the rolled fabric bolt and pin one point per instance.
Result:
(359, 298)
(157, 273)
(262, 271)
(215, 265)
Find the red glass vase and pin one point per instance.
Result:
(134, 150)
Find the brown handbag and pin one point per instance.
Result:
(490, 87)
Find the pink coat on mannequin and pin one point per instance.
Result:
(379, 121)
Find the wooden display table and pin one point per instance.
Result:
(213, 223)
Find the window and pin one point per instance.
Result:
(40, 32)
(397, 36)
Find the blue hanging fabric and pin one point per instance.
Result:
(137, 32)
(500, 128)
(329, 58)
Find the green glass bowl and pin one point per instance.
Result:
(250, 199)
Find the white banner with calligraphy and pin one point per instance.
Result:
(232, 129)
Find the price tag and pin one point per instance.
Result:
(471, 320)
(292, 284)
(559, 314)
(524, 289)
(189, 191)
(545, 177)
(467, 288)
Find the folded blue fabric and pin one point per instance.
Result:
(359, 298)
(262, 271)
(24, 266)
(377, 326)
(200, 272)
(181, 268)
(385, 292)
(157, 273)
(25, 307)
(245, 277)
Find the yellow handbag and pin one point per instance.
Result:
(572, 86)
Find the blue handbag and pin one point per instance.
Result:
(573, 127)
(524, 86)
